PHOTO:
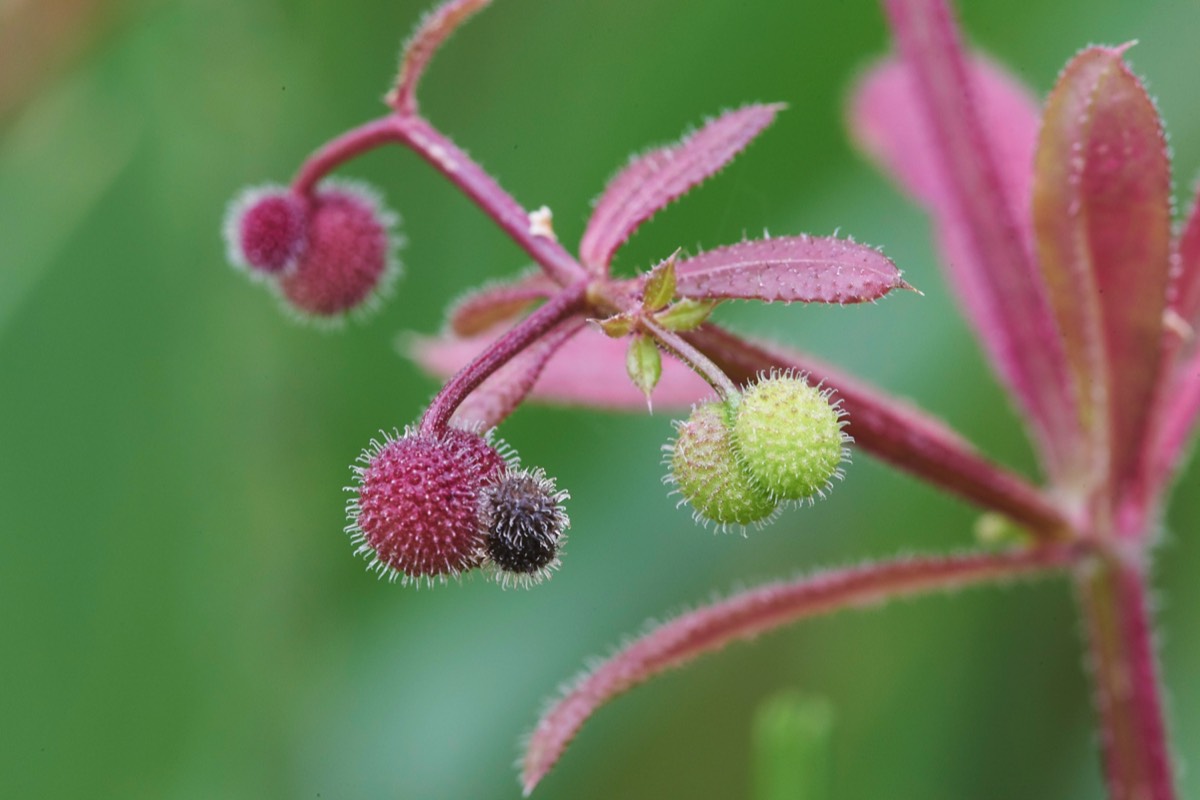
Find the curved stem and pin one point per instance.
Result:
(349, 145)
(701, 364)
(763, 609)
(446, 157)
(1112, 598)
(426, 141)
(528, 330)
(899, 435)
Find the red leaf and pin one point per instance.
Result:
(1178, 412)
(653, 180)
(490, 305)
(758, 611)
(961, 134)
(1102, 215)
(1185, 284)
(792, 268)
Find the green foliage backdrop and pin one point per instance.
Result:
(180, 615)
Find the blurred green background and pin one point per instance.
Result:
(181, 616)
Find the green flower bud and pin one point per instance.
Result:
(789, 437)
(706, 472)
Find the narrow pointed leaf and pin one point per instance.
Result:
(758, 611)
(1185, 284)
(961, 135)
(1178, 402)
(808, 269)
(643, 364)
(882, 120)
(488, 306)
(1175, 429)
(588, 370)
(418, 51)
(1102, 214)
(686, 315)
(660, 285)
(652, 180)
(617, 326)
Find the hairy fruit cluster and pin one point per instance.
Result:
(737, 460)
(327, 254)
(432, 506)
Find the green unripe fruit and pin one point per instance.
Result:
(705, 469)
(789, 437)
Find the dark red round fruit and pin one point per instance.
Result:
(266, 230)
(417, 509)
(347, 254)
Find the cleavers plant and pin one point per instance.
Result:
(1058, 237)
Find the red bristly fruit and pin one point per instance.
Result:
(347, 259)
(265, 230)
(415, 513)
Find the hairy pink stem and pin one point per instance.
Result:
(751, 613)
(525, 333)
(446, 157)
(1112, 597)
(349, 145)
(885, 428)
(492, 401)
(433, 146)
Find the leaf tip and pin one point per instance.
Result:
(534, 766)
(431, 33)
(1121, 49)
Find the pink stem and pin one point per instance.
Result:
(699, 363)
(427, 142)
(562, 305)
(349, 145)
(751, 613)
(897, 435)
(1112, 596)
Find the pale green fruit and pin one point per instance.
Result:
(789, 437)
(705, 469)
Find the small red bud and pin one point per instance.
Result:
(416, 510)
(265, 229)
(347, 258)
